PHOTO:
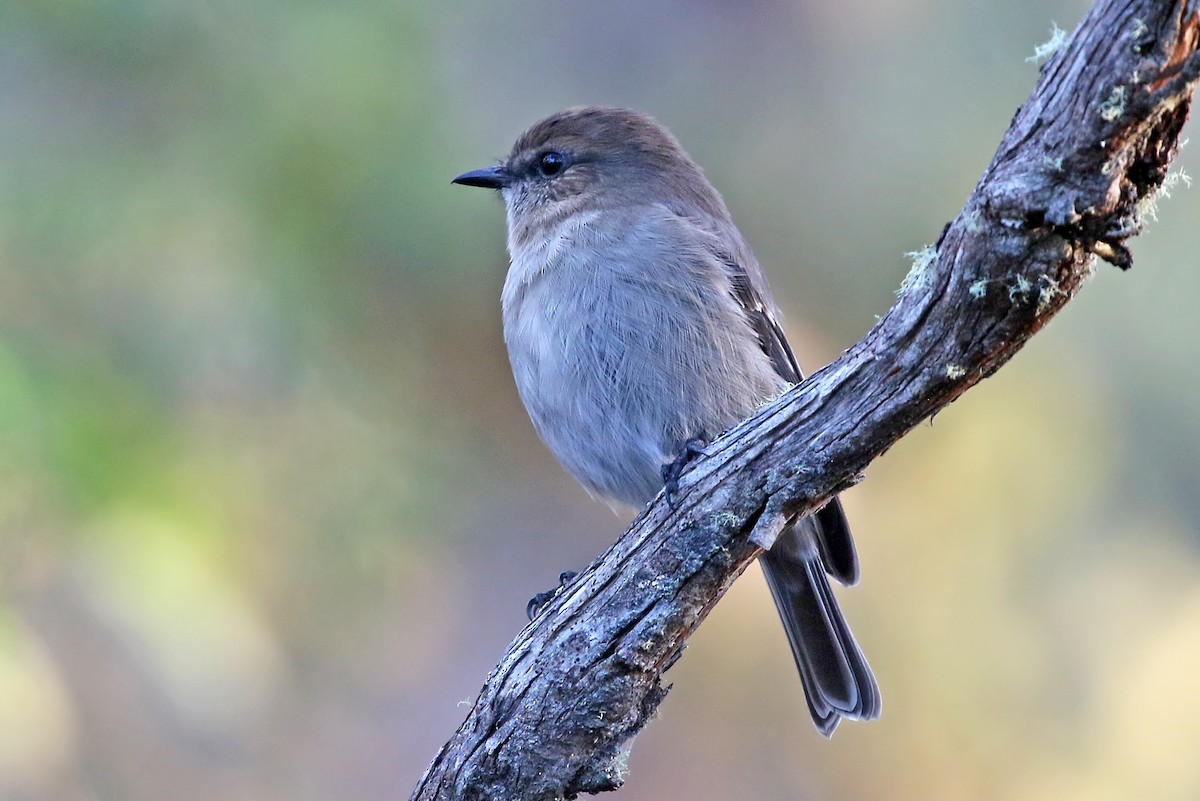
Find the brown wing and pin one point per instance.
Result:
(835, 540)
(770, 334)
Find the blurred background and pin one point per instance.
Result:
(271, 508)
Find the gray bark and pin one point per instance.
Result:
(1069, 182)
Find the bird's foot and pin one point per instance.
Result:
(673, 470)
(538, 602)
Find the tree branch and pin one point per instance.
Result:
(1071, 180)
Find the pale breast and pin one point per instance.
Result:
(626, 341)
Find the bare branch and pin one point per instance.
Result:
(1071, 180)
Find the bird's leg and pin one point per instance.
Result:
(538, 602)
(673, 470)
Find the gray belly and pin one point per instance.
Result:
(616, 373)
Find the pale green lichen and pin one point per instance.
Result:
(620, 763)
(1055, 164)
(1021, 288)
(954, 372)
(918, 275)
(1047, 48)
(1147, 207)
(978, 289)
(1049, 291)
(725, 519)
(1114, 105)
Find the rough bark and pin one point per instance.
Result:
(1070, 181)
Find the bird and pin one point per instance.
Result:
(639, 325)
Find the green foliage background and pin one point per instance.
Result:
(270, 507)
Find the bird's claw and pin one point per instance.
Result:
(538, 602)
(671, 471)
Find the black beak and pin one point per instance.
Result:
(488, 178)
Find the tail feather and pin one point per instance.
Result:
(837, 680)
(836, 543)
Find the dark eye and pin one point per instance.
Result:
(551, 163)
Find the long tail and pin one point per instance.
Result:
(837, 680)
